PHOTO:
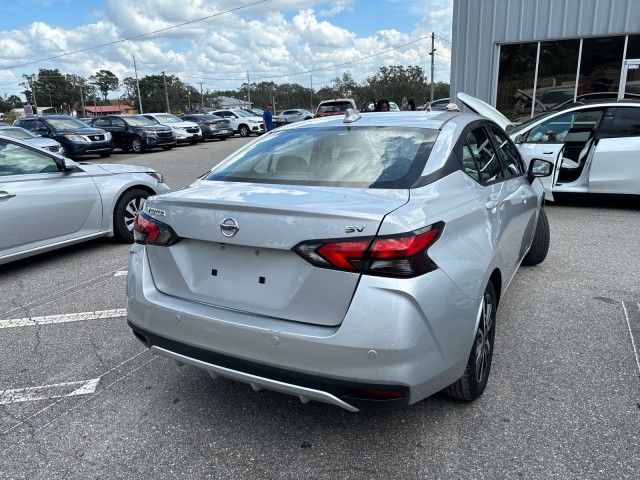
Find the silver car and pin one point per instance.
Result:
(48, 201)
(48, 144)
(294, 115)
(594, 145)
(357, 261)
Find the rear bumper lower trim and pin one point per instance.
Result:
(338, 392)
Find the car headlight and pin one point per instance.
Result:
(76, 138)
(158, 176)
(107, 136)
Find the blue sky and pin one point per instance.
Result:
(278, 37)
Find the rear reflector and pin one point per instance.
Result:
(403, 255)
(149, 231)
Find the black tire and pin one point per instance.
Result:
(476, 374)
(137, 145)
(167, 147)
(540, 246)
(123, 217)
(244, 131)
(105, 155)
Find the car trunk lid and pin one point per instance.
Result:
(255, 270)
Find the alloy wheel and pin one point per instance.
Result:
(134, 207)
(484, 340)
(136, 145)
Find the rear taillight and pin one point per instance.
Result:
(403, 255)
(149, 231)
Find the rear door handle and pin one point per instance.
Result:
(6, 196)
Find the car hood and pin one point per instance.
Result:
(41, 142)
(82, 131)
(484, 109)
(114, 168)
(180, 124)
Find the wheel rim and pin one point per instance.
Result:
(136, 145)
(483, 339)
(244, 131)
(131, 210)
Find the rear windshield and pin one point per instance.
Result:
(365, 157)
(330, 107)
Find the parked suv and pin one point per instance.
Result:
(76, 137)
(212, 126)
(242, 121)
(136, 132)
(336, 106)
(185, 132)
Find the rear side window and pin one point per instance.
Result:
(331, 107)
(508, 153)
(626, 123)
(363, 157)
(102, 122)
(485, 156)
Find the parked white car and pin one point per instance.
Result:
(594, 145)
(242, 121)
(186, 132)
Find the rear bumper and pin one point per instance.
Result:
(392, 337)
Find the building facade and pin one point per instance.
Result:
(525, 56)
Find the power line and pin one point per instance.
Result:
(141, 35)
(443, 38)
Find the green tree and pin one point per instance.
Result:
(105, 81)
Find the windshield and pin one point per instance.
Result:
(66, 123)
(242, 113)
(140, 121)
(167, 118)
(330, 107)
(18, 133)
(365, 157)
(526, 123)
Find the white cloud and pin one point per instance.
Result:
(272, 39)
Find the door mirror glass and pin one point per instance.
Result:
(539, 168)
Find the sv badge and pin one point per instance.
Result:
(354, 229)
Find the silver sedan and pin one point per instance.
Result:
(48, 201)
(354, 260)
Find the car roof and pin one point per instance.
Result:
(418, 119)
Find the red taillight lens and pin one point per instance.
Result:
(149, 231)
(403, 255)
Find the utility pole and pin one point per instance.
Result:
(311, 89)
(248, 90)
(189, 98)
(135, 68)
(433, 50)
(201, 97)
(82, 100)
(166, 93)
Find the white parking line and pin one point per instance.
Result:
(46, 392)
(633, 342)
(63, 318)
(120, 273)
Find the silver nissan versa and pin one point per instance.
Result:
(357, 261)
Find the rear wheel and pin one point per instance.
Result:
(540, 246)
(476, 374)
(137, 145)
(127, 207)
(244, 131)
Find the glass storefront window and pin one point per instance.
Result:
(515, 79)
(556, 73)
(633, 46)
(601, 64)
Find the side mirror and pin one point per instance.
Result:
(68, 165)
(539, 168)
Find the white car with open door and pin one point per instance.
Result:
(594, 146)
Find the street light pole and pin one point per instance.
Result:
(166, 94)
(135, 68)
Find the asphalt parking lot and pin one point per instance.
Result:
(80, 397)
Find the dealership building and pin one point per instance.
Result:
(510, 52)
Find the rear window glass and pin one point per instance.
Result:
(330, 107)
(366, 157)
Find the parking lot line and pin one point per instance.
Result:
(63, 318)
(120, 273)
(46, 392)
(633, 327)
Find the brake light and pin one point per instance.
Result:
(403, 255)
(149, 231)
